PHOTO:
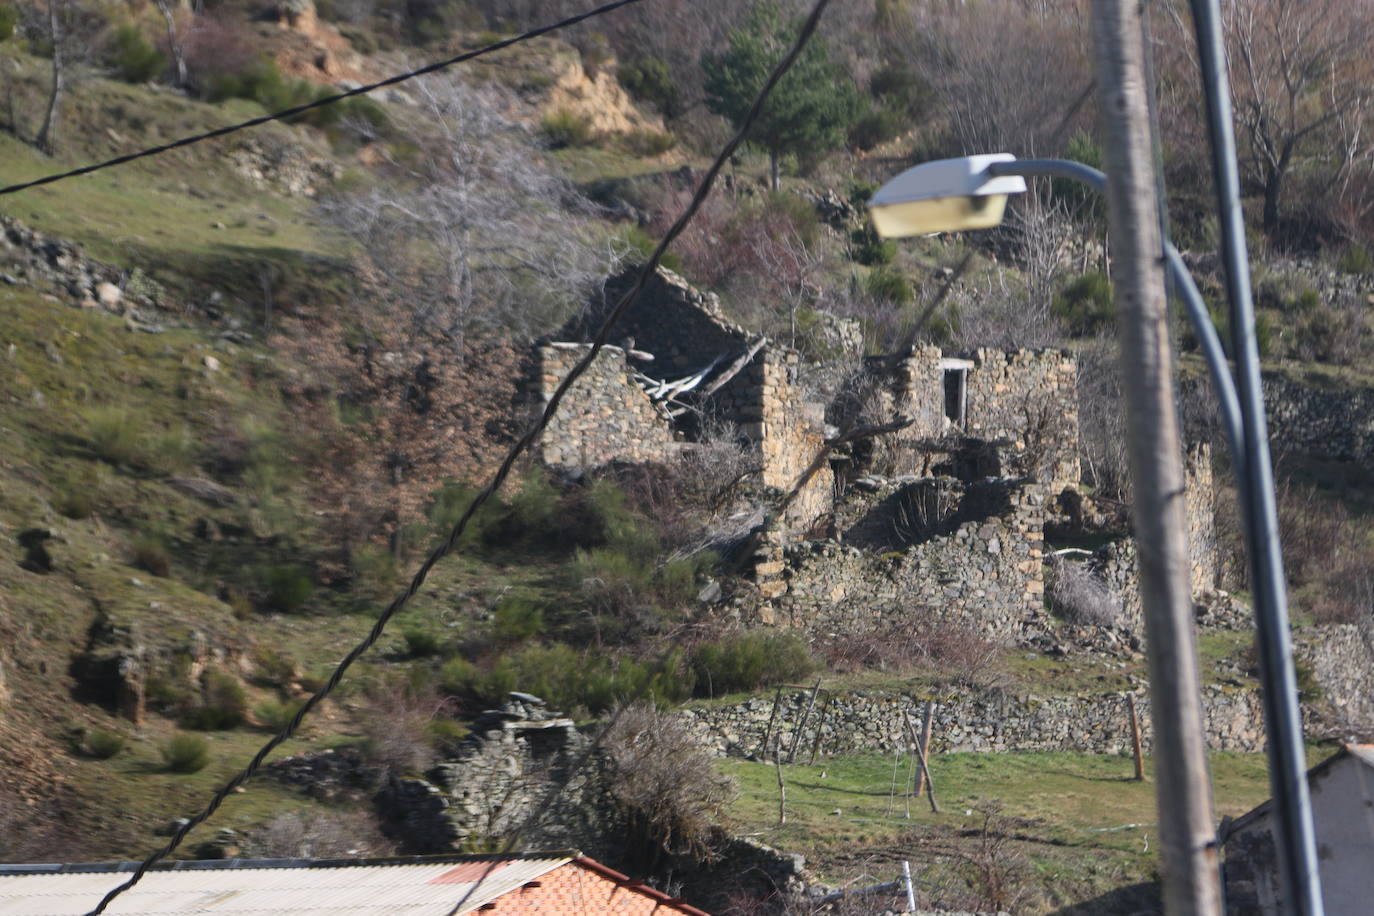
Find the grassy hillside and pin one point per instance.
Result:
(218, 483)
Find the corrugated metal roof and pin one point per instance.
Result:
(427, 888)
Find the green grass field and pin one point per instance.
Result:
(1070, 826)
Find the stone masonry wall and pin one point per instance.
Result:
(874, 722)
(1341, 660)
(1031, 398)
(791, 434)
(1028, 397)
(605, 416)
(1335, 424)
(982, 566)
(680, 325)
(1117, 564)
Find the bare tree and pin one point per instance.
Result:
(489, 238)
(57, 14)
(70, 29)
(174, 44)
(1044, 234)
(1010, 76)
(1302, 84)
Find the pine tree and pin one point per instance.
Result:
(809, 111)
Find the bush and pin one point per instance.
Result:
(103, 745)
(396, 726)
(115, 436)
(639, 245)
(564, 128)
(664, 782)
(516, 620)
(648, 79)
(76, 494)
(133, 57)
(151, 554)
(9, 19)
(648, 142)
(1081, 597)
(1355, 260)
(421, 643)
(223, 705)
(902, 91)
(868, 248)
(1085, 305)
(185, 753)
(288, 587)
(750, 661)
(889, 286)
(953, 649)
(876, 127)
(123, 438)
(447, 735)
(569, 679)
(273, 668)
(274, 715)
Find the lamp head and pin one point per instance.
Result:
(948, 195)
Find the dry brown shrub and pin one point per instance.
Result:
(951, 648)
(396, 728)
(332, 835)
(1080, 596)
(665, 783)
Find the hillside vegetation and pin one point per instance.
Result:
(245, 385)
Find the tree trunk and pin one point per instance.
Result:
(46, 134)
(774, 178)
(174, 42)
(1182, 786)
(1273, 187)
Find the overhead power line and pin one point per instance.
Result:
(647, 271)
(321, 102)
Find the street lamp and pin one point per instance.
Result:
(944, 196)
(970, 193)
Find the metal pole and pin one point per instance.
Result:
(910, 889)
(1294, 836)
(1183, 791)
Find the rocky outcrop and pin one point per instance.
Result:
(596, 97)
(283, 167)
(31, 258)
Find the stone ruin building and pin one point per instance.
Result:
(947, 513)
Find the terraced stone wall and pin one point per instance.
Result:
(876, 722)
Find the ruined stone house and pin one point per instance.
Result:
(948, 512)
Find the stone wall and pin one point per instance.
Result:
(875, 722)
(1026, 397)
(1117, 564)
(1330, 423)
(605, 416)
(501, 783)
(981, 563)
(1031, 398)
(1341, 661)
(789, 435)
(683, 327)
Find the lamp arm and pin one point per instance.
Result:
(1183, 285)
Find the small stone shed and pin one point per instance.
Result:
(1342, 788)
(555, 884)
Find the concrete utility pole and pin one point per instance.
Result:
(1183, 788)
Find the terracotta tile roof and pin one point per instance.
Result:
(548, 883)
